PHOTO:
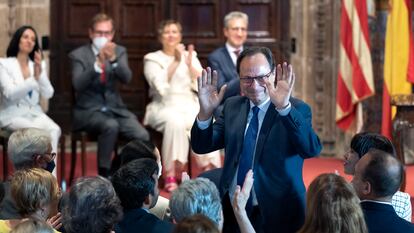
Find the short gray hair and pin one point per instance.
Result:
(24, 143)
(235, 15)
(198, 196)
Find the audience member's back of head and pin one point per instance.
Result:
(32, 189)
(135, 149)
(32, 226)
(332, 207)
(91, 207)
(361, 143)
(134, 181)
(24, 143)
(383, 171)
(198, 196)
(196, 224)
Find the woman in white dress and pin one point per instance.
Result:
(172, 76)
(23, 82)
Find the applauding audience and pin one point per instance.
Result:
(23, 82)
(172, 77)
(36, 194)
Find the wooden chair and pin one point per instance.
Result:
(83, 137)
(4, 140)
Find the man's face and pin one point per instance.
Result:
(360, 186)
(254, 66)
(236, 32)
(102, 29)
(154, 198)
(351, 159)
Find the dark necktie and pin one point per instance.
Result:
(249, 143)
(237, 52)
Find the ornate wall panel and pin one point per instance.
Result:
(315, 27)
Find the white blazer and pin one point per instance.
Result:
(19, 96)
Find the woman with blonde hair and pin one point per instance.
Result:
(36, 194)
(32, 226)
(333, 207)
(172, 77)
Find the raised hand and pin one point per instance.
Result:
(185, 176)
(37, 64)
(241, 195)
(280, 94)
(189, 56)
(108, 51)
(55, 221)
(208, 96)
(179, 50)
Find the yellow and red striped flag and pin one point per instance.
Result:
(355, 77)
(399, 58)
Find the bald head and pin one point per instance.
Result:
(378, 175)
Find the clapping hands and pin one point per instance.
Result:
(37, 64)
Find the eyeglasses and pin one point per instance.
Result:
(234, 29)
(260, 79)
(103, 33)
(52, 156)
(47, 156)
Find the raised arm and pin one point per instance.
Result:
(122, 70)
(239, 201)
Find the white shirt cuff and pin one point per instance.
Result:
(98, 69)
(204, 124)
(285, 111)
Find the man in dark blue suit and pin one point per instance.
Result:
(136, 184)
(266, 130)
(378, 176)
(224, 59)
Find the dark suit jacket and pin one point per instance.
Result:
(220, 60)
(283, 143)
(91, 95)
(139, 220)
(381, 218)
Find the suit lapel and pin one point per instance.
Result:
(90, 56)
(242, 119)
(228, 58)
(267, 124)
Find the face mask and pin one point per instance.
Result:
(99, 42)
(50, 166)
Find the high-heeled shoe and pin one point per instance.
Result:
(170, 184)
